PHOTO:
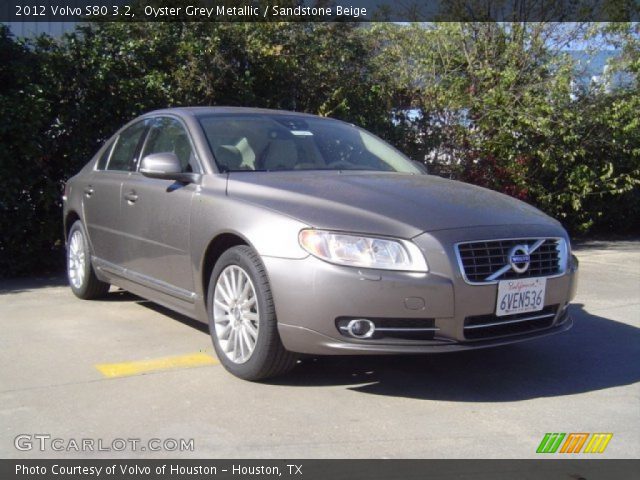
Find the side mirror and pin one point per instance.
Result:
(166, 166)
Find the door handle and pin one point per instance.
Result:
(131, 197)
(88, 191)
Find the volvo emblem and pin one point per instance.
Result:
(519, 258)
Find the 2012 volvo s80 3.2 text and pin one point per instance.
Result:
(294, 234)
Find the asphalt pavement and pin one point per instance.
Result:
(124, 370)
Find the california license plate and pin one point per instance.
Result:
(520, 296)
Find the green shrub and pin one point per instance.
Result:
(495, 102)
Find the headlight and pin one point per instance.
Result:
(367, 252)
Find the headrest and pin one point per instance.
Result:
(229, 157)
(282, 154)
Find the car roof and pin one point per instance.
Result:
(202, 111)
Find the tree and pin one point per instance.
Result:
(496, 106)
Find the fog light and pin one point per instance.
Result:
(361, 328)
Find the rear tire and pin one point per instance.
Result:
(242, 318)
(82, 279)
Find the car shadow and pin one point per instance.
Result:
(597, 353)
(189, 322)
(119, 295)
(115, 295)
(21, 285)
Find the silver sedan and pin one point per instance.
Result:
(294, 234)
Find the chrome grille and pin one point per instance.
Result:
(487, 261)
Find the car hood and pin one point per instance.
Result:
(391, 204)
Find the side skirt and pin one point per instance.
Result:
(165, 294)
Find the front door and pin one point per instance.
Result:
(156, 215)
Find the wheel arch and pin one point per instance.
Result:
(216, 247)
(70, 218)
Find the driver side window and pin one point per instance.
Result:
(125, 148)
(168, 135)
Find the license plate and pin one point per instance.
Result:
(520, 296)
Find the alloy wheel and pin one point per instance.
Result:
(236, 314)
(76, 259)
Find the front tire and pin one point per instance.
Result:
(82, 279)
(242, 319)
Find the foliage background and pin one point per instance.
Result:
(492, 104)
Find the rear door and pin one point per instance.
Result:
(102, 194)
(156, 214)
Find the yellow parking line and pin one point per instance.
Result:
(127, 369)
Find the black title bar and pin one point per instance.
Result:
(319, 10)
(547, 469)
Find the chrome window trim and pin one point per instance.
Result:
(563, 256)
(108, 145)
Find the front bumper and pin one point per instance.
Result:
(311, 296)
(302, 340)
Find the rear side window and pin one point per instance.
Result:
(125, 148)
(104, 158)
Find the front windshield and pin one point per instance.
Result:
(288, 142)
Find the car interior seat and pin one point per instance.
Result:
(281, 155)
